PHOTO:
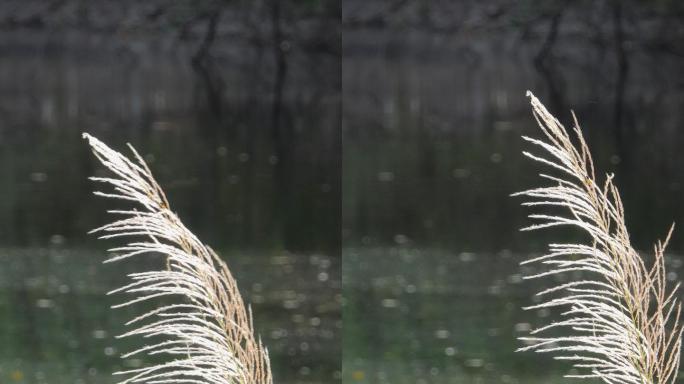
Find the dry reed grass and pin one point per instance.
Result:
(621, 323)
(207, 336)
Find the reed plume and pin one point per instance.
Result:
(621, 321)
(206, 335)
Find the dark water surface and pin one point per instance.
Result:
(58, 327)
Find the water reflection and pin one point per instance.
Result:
(263, 182)
(442, 173)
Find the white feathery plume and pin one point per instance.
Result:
(620, 324)
(207, 334)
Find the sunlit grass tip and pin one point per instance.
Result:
(621, 321)
(203, 331)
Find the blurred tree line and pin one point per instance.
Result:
(309, 23)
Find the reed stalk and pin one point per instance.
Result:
(206, 334)
(621, 321)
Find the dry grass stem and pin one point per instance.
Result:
(622, 322)
(206, 335)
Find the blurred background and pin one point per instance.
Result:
(236, 106)
(433, 108)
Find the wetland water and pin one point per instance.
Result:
(58, 327)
